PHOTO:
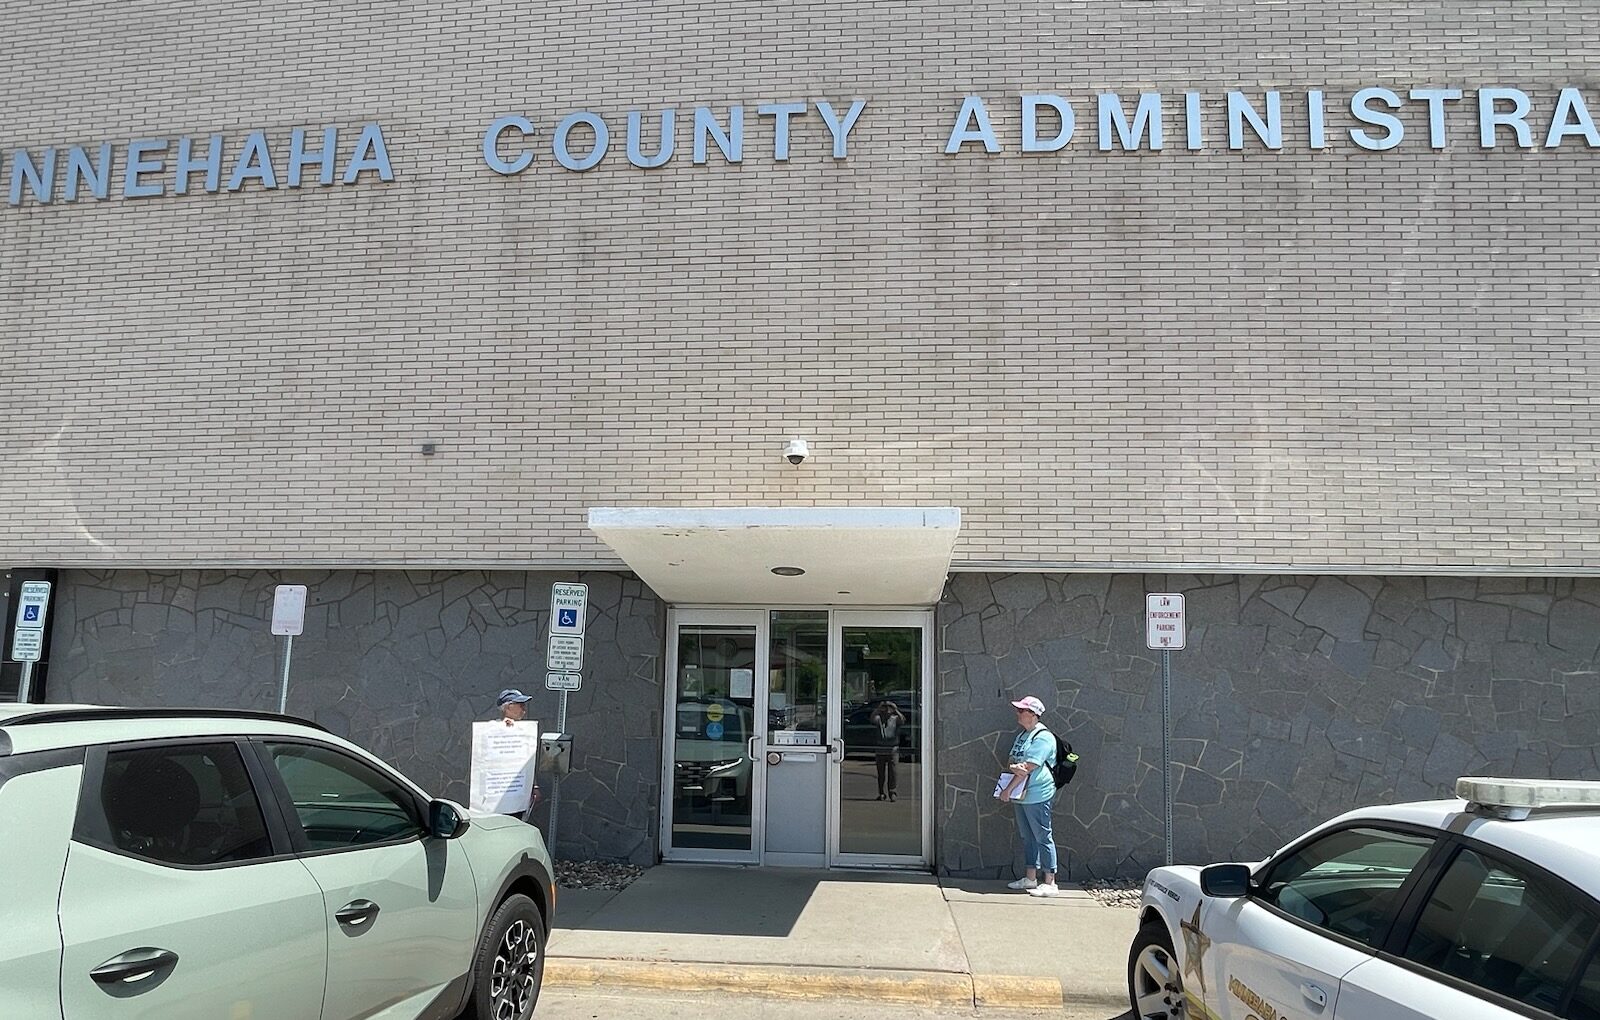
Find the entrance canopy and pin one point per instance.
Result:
(776, 556)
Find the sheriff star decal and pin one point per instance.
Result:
(1195, 945)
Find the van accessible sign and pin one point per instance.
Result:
(1369, 118)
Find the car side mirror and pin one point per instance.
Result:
(445, 820)
(1226, 881)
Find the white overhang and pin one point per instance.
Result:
(850, 556)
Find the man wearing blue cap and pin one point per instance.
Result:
(513, 706)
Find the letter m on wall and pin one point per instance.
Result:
(1146, 118)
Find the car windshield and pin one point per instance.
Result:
(1345, 880)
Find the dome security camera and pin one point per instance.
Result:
(796, 451)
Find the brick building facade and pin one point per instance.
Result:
(1340, 393)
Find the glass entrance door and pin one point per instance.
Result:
(879, 780)
(716, 714)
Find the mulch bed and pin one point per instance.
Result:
(1115, 892)
(595, 874)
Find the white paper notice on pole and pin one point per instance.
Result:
(502, 766)
(289, 610)
(1163, 621)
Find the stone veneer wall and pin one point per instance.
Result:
(1297, 698)
(399, 661)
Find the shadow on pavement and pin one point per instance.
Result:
(697, 900)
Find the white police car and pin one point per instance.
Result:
(1472, 909)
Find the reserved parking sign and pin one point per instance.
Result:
(568, 605)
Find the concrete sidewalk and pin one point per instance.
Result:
(829, 934)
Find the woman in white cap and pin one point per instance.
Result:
(1032, 791)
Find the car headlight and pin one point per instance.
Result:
(725, 766)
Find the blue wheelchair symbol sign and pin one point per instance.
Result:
(567, 618)
(714, 731)
(30, 614)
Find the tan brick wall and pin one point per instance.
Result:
(1337, 359)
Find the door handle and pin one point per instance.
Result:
(133, 966)
(356, 914)
(836, 748)
(750, 749)
(1314, 995)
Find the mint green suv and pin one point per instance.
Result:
(170, 864)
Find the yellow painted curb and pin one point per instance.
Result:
(1014, 990)
(910, 987)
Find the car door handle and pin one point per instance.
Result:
(134, 965)
(1314, 995)
(356, 914)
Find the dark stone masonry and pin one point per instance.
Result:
(1297, 697)
(402, 662)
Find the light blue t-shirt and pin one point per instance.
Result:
(1039, 747)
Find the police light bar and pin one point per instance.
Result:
(1515, 798)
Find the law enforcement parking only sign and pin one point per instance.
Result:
(1164, 622)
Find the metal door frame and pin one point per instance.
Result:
(743, 617)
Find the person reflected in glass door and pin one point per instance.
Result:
(888, 720)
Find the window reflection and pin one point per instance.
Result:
(880, 779)
(797, 699)
(712, 791)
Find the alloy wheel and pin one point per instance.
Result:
(511, 982)
(1157, 986)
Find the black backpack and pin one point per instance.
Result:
(1066, 765)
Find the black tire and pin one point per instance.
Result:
(1155, 981)
(508, 967)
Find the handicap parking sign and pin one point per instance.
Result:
(33, 603)
(714, 731)
(567, 605)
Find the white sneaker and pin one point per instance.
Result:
(1023, 883)
(1044, 890)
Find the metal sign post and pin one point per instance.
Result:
(1166, 747)
(288, 620)
(555, 781)
(283, 684)
(1164, 628)
(27, 634)
(569, 610)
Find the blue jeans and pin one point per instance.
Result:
(1038, 846)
